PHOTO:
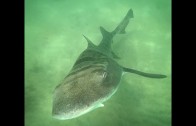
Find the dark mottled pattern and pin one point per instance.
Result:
(88, 59)
(94, 76)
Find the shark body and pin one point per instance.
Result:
(94, 77)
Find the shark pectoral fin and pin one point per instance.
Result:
(90, 43)
(158, 76)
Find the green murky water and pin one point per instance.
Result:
(53, 41)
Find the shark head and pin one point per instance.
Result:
(82, 92)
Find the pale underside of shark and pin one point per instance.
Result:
(94, 77)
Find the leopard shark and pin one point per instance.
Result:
(94, 77)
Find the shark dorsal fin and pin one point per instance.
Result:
(107, 39)
(105, 33)
(90, 43)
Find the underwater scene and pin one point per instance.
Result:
(93, 63)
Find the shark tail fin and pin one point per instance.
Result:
(120, 29)
(107, 36)
(158, 76)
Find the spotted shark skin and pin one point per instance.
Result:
(94, 77)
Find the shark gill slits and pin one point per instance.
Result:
(102, 72)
